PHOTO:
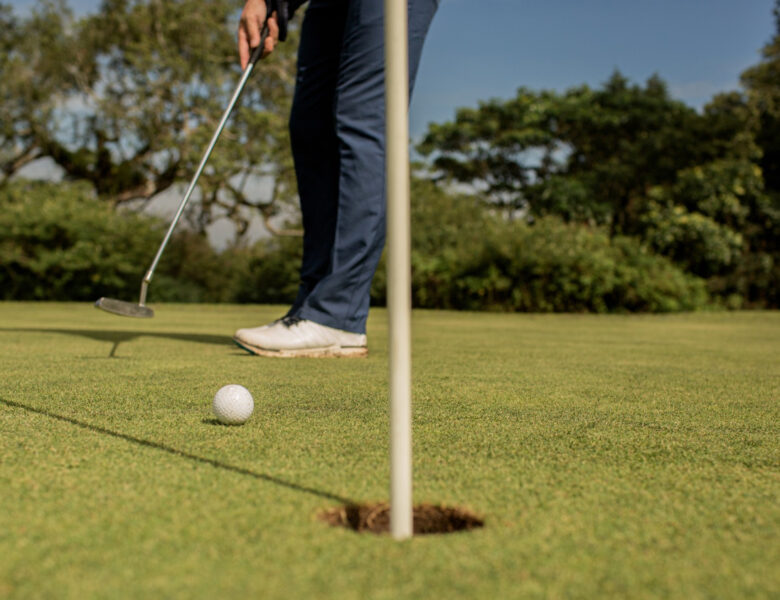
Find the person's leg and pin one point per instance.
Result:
(344, 242)
(315, 147)
(341, 298)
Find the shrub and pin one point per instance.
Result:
(59, 242)
(192, 271)
(465, 258)
(269, 272)
(555, 267)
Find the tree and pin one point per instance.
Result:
(128, 98)
(586, 155)
(501, 148)
(29, 84)
(762, 83)
(692, 186)
(626, 139)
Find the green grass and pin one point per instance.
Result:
(611, 456)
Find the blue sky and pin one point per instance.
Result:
(481, 49)
(698, 46)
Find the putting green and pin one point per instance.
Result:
(610, 456)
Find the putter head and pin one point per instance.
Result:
(124, 309)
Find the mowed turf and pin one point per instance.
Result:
(610, 456)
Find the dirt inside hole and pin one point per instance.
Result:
(375, 518)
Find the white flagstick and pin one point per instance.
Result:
(398, 266)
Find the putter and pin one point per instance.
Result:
(140, 310)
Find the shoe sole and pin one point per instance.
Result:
(326, 352)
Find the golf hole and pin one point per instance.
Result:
(375, 518)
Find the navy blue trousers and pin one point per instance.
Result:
(337, 132)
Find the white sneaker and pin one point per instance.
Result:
(293, 336)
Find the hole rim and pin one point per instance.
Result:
(428, 518)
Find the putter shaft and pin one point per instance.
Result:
(256, 54)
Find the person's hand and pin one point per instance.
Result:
(250, 28)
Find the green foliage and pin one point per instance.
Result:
(192, 271)
(696, 221)
(489, 146)
(129, 97)
(693, 240)
(463, 257)
(34, 79)
(59, 242)
(717, 222)
(269, 271)
(624, 138)
(586, 155)
(722, 190)
(700, 188)
(552, 266)
(762, 82)
(569, 198)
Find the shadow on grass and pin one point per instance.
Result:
(180, 453)
(117, 337)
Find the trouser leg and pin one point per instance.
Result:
(340, 298)
(315, 146)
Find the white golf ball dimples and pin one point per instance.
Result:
(233, 404)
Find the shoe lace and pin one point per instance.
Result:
(289, 321)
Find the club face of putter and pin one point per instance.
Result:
(124, 309)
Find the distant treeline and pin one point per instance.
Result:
(59, 242)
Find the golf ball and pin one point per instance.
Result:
(233, 404)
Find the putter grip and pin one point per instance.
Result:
(258, 51)
(280, 8)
